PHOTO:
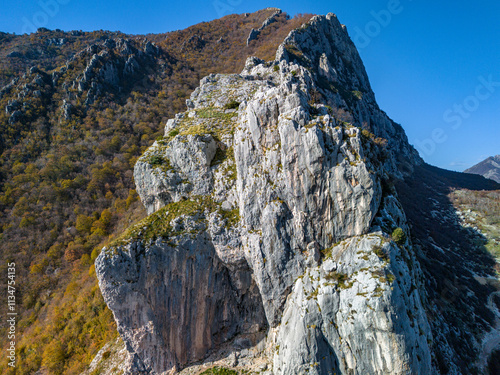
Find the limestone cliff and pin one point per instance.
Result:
(270, 235)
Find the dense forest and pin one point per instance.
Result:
(77, 110)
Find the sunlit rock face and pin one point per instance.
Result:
(270, 220)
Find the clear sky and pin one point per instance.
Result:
(434, 65)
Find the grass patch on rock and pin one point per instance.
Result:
(232, 104)
(379, 251)
(340, 279)
(158, 224)
(219, 371)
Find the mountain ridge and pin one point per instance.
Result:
(301, 202)
(289, 212)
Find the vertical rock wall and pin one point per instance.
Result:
(250, 194)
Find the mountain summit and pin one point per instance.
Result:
(270, 223)
(489, 168)
(230, 199)
(276, 238)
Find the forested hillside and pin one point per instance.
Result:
(77, 110)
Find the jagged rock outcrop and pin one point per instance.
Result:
(31, 91)
(185, 163)
(12, 106)
(271, 211)
(56, 41)
(110, 64)
(254, 33)
(66, 109)
(350, 313)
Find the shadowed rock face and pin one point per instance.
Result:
(271, 210)
(459, 274)
(180, 298)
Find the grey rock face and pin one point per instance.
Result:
(166, 174)
(150, 48)
(298, 183)
(174, 303)
(353, 315)
(271, 19)
(66, 109)
(249, 194)
(252, 36)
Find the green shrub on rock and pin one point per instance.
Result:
(399, 236)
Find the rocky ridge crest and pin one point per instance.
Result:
(269, 235)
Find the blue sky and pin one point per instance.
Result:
(434, 66)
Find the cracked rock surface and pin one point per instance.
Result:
(270, 221)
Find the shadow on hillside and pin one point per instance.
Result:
(454, 261)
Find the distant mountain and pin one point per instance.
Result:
(489, 168)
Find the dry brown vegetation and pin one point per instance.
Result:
(66, 186)
(481, 209)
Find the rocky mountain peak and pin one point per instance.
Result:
(268, 192)
(323, 47)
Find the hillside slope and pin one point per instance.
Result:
(78, 109)
(454, 260)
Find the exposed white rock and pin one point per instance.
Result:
(166, 174)
(359, 318)
(254, 33)
(250, 190)
(113, 358)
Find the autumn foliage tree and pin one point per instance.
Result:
(66, 183)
